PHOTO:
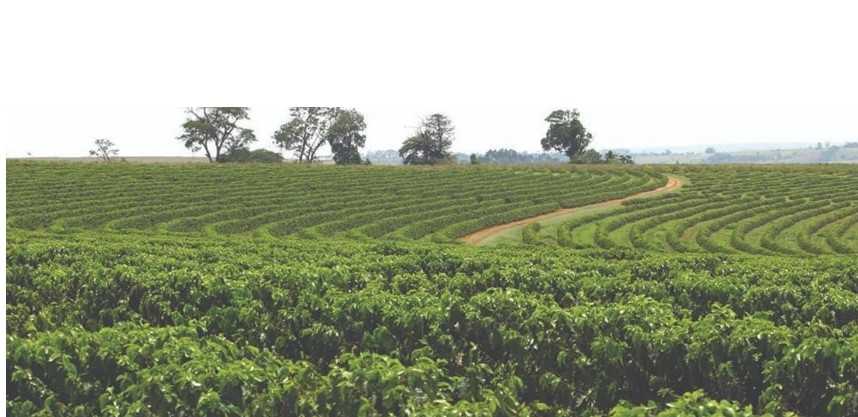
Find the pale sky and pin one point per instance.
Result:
(643, 74)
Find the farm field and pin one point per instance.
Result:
(774, 211)
(273, 202)
(527, 231)
(144, 290)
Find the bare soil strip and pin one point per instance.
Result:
(481, 235)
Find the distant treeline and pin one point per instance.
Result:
(505, 156)
(502, 156)
(819, 154)
(220, 133)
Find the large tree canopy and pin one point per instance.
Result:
(566, 133)
(216, 130)
(346, 136)
(306, 131)
(431, 144)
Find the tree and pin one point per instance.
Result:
(346, 136)
(104, 149)
(626, 160)
(431, 143)
(415, 150)
(216, 130)
(244, 155)
(710, 150)
(566, 133)
(306, 132)
(475, 160)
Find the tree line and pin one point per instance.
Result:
(219, 133)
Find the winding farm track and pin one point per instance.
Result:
(482, 235)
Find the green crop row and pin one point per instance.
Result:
(755, 210)
(313, 202)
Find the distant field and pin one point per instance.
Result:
(786, 210)
(775, 210)
(268, 201)
(134, 159)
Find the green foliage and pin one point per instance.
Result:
(530, 233)
(505, 156)
(590, 156)
(108, 324)
(346, 136)
(143, 370)
(431, 144)
(216, 130)
(566, 133)
(306, 131)
(245, 155)
(692, 404)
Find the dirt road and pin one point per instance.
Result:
(481, 235)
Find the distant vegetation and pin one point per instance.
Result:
(833, 154)
(288, 201)
(216, 130)
(431, 143)
(804, 211)
(567, 134)
(244, 155)
(808, 155)
(310, 128)
(505, 156)
(821, 154)
(779, 210)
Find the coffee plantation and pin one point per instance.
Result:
(149, 290)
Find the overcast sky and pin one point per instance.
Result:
(643, 74)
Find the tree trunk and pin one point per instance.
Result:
(208, 154)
